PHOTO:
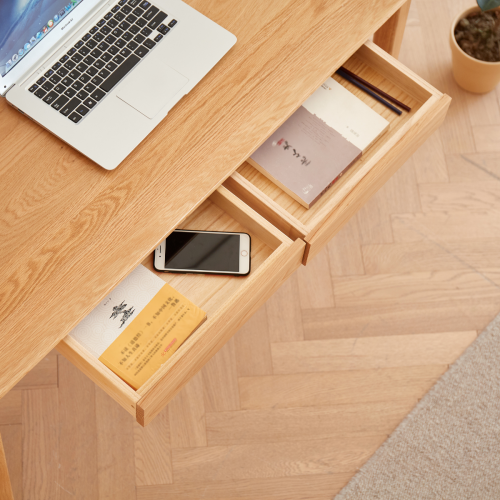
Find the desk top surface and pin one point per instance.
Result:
(70, 231)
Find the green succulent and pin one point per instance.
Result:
(488, 4)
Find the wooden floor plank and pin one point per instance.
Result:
(303, 424)
(487, 138)
(187, 416)
(427, 255)
(315, 284)
(220, 380)
(476, 167)
(413, 287)
(473, 196)
(41, 444)
(12, 437)
(11, 408)
(400, 195)
(370, 353)
(153, 462)
(115, 450)
(344, 251)
(400, 319)
(310, 487)
(443, 226)
(374, 220)
(456, 131)
(429, 161)
(334, 388)
(78, 434)
(324, 456)
(284, 314)
(44, 375)
(253, 339)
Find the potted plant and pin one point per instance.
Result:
(475, 46)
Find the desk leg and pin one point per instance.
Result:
(390, 36)
(5, 487)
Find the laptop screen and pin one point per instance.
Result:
(24, 23)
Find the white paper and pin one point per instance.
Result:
(345, 113)
(97, 331)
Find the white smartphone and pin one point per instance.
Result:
(204, 252)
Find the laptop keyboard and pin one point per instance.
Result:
(81, 78)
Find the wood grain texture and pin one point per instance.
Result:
(115, 450)
(486, 137)
(431, 256)
(40, 444)
(390, 36)
(284, 313)
(11, 408)
(219, 380)
(99, 373)
(5, 486)
(396, 318)
(43, 375)
(369, 353)
(246, 441)
(250, 93)
(187, 415)
(315, 285)
(456, 132)
(273, 459)
(474, 167)
(315, 487)
(253, 337)
(153, 464)
(12, 436)
(323, 389)
(78, 471)
(304, 424)
(344, 251)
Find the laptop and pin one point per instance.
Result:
(101, 74)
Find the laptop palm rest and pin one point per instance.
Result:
(151, 87)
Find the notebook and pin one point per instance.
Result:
(138, 326)
(305, 157)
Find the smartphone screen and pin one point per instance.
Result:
(203, 251)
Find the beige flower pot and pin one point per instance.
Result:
(472, 74)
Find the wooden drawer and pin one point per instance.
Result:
(407, 132)
(228, 301)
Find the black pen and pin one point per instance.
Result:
(344, 75)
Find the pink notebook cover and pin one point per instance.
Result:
(305, 156)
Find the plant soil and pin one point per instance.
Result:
(479, 35)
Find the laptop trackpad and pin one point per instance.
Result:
(151, 86)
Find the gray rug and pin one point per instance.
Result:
(448, 448)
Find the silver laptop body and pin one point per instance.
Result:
(105, 112)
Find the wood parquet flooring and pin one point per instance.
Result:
(322, 374)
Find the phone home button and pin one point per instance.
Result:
(244, 253)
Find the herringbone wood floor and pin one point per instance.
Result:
(323, 373)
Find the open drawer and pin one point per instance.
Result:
(228, 301)
(406, 133)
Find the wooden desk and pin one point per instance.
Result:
(70, 231)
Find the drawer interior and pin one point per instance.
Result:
(374, 65)
(222, 211)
